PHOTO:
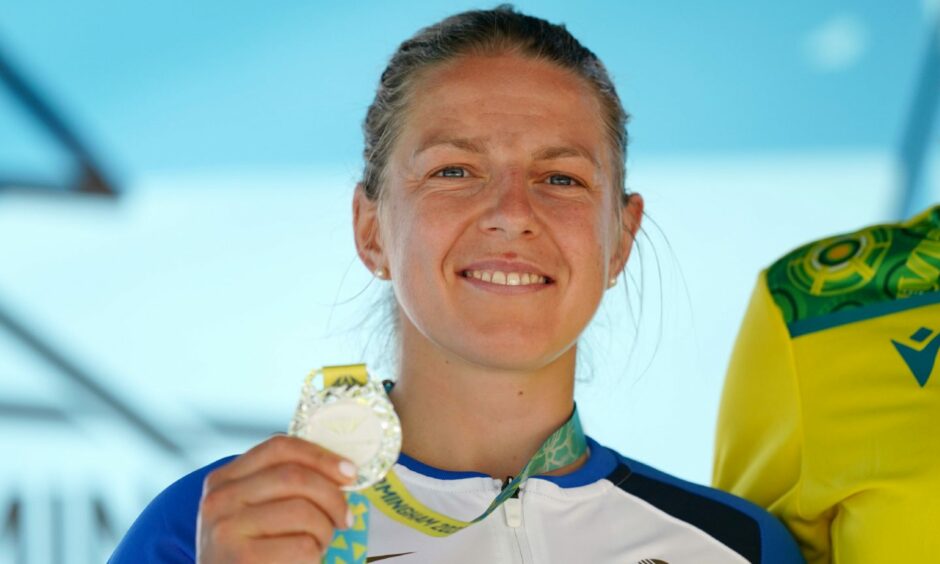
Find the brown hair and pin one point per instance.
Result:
(482, 32)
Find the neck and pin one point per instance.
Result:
(464, 417)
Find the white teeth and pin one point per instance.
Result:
(507, 278)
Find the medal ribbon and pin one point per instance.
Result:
(390, 496)
(349, 546)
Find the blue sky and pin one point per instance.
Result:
(181, 85)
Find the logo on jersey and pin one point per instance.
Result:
(387, 556)
(920, 353)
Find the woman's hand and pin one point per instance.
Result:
(278, 502)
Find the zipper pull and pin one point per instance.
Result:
(512, 508)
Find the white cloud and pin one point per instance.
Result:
(837, 44)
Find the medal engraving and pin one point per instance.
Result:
(347, 428)
(356, 421)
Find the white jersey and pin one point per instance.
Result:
(612, 509)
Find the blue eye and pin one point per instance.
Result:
(452, 172)
(561, 180)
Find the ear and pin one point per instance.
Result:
(630, 217)
(366, 230)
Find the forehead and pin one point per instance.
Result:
(506, 97)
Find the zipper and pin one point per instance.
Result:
(512, 511)
(512, 507)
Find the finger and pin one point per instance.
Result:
(281, 550)
(284, 481)
(285, 517)
(285, 449)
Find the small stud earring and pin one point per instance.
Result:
(380, 273)
(612, 282)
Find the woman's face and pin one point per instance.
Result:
(499, 224)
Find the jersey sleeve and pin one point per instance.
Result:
(759, 446)
(165, 532)
(161, 533)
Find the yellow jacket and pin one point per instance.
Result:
(830, 415)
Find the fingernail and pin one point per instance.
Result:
(350, 519)
(347, 469)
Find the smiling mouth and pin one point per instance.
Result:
(503, 278)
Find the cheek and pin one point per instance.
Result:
(419, 238)
(587, 235)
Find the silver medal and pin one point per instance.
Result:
(355, 421)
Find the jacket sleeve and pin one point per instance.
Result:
(759, 448)
(165, 532)
(160, 534)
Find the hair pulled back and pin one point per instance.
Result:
(482, 32)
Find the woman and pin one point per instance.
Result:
(492, 202)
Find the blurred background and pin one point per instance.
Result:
(175, 242)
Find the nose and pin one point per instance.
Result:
(510, 212)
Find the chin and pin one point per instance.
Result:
(510, 354)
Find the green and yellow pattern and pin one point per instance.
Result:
(845, 274)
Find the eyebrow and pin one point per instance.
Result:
(463, 143)
(565, 151)
(477, 146)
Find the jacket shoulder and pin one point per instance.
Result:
(869, 267)
(739, 524)
(165, 531)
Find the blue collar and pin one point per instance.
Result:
(599, 465)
